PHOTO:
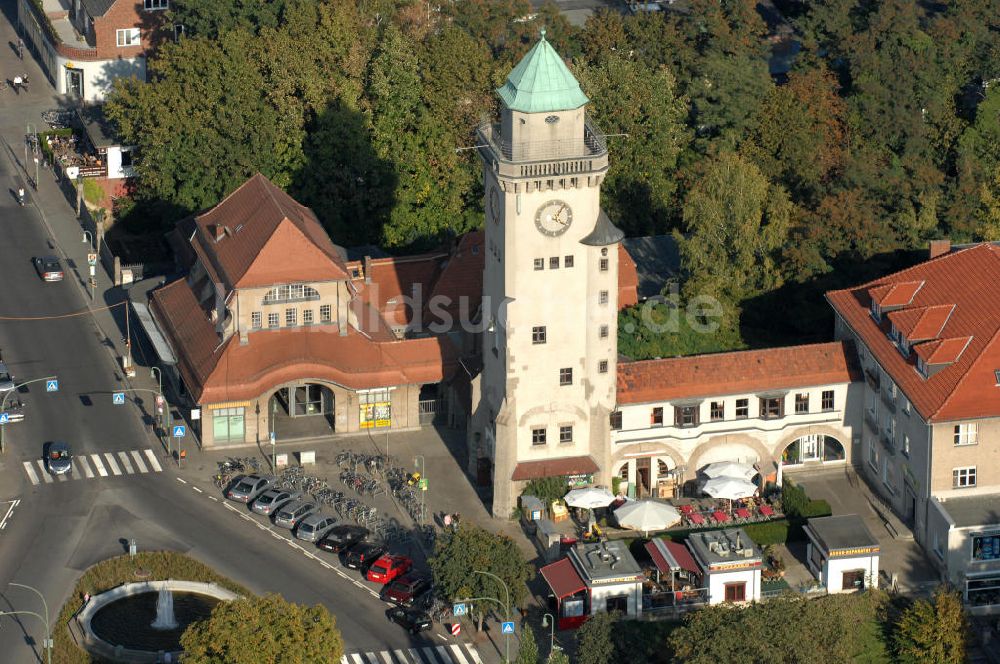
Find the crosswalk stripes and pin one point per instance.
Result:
(452, 653)
(112, 464)
(89, 466)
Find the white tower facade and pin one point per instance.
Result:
(550, 284)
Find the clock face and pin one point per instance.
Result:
(495, 205)
(553, 218)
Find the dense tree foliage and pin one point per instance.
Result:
(258, 630)
(593, 639)
(934, 632)
(884, 134)
(460, 554)
(836, 628)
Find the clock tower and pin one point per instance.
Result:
(550, 286)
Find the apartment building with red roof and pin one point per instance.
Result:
(928, 341)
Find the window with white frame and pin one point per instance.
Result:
(873, 455)
(962, 478)
(150, 5)
(602, 297)
(291, 317)
(307, 317)
(604, 332)
(566, 376)
(128, 37)
(291, 293)
(966, 434)
(566, 433)
(802, 403)
(255, 320)
(603, 265)
(272, 320)
(827, 402)
(602, 366)
(539, 263)
(717, 411)
(538, 334)
(325, 313)
(742, 409)
(538, 436)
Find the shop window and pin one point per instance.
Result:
(736, 592)
(986, 546)
(853, 580)
(228, 425)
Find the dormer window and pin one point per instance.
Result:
(922, 367)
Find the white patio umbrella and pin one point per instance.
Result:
(729, 469)
(589, 497)
(647, 515)
(729, 487)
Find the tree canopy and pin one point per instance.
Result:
(934, 632)
(263, 630)
(458, 557)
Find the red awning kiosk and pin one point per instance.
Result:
(572, 597)
(674, 559)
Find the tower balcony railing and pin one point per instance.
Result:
(543, 158)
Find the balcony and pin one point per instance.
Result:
(543, 158)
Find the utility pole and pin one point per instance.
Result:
(48, 630)
(3, 405)
(506, 637)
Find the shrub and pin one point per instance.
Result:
(772, 532)
(793, 499)
(816, 508)
(547, 489)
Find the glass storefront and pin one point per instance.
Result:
(228, 425)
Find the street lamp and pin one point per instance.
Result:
(87, 237)
(423, 489)
(506, 590)
(548, 620)
(48, 632)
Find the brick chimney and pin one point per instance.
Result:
(367, 267)
(939, 248)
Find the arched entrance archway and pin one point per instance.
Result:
(302, 410)
(645, 476)
(813, 448)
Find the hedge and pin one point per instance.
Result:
(771, 532)
(113, 572)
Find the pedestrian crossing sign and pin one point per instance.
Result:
(458, 609)
(180, 431)
(4, 418)
(118, 398)
(52, 385)
(507, 628)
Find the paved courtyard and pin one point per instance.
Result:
(848, 494)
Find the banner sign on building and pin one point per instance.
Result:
(375, 415)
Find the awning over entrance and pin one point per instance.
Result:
(671, 556)
(532, 470)
(563, 578)
(160, 344)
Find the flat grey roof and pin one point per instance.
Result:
(97, 126)
(604, 560)
(972, 511)
(717, 547)
(842, 532)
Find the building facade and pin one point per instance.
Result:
(776, 409)
(84, 45)
(298, 348)
(928, 341)
(550, 284)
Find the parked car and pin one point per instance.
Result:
(314, 526)
(48, 268)
(389, 567)
(59, 459)
(342, 538)
(248, 488)
(289, 515)
(413, 621)
(408, 590)
(362, 555)
(6, 379)
(269, 501)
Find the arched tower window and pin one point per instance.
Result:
(291, 293)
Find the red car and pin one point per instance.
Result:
(388, 567)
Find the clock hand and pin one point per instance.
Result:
(558, 215)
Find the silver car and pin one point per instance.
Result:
(246, 489)
(271, 500)
(291, 513)
(313, 527)
(59, 459)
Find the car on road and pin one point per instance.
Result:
(388, 567)
(289, 514)
(362, 555)
(59, 459)
(48, 268)
(272, 499)
(342, 538)
(413, 621)
(248, 488)
(408, 590)
(314, 526)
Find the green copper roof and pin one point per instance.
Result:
(541, 82)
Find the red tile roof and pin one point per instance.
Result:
(897, 294)
(459, 290)
(246, 239)
(921, 323)
(671, 556)
(628, 279)
(532, 470)
(965, 279)
(215, 373)
(739, 372)
(563, 578)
